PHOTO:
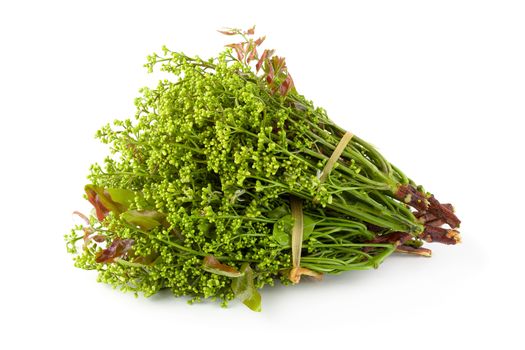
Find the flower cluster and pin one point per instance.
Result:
(195, 194)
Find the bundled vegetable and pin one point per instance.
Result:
(229, 179)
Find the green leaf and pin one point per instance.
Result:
(282, 230)
(121, 196)
(101, 201)
(116, 200)
(244, 289)
(106, 200)
(308, 226)
(279, 212)
(211, 264)
(146, 219)
(204, 227)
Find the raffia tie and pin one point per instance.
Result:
(297, 214)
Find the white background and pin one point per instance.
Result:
(438, 87)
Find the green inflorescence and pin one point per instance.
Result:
(207, 168)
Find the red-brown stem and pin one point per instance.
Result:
(436, 222)
(441, 235)
(406, 249)
(424, 216)
(393, 237)
(444, 212)
(411, 196)
(428, 207)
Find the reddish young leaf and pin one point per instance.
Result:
(88, 237)
(114, 200)
(250, 31)
(264, 57)
(292, 84)
(259, 41)
(260, 62)
(211, 264)
(248, 48)
(93, 198)
(252, 54)
(229, 31)
(82, 216)
(286, 85)
(98, 238)
(119, 248)
(278, 64)
(270, 74)
(87, 232)
(234, 45)
(239, 49)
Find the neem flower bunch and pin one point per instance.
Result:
(228, 179)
